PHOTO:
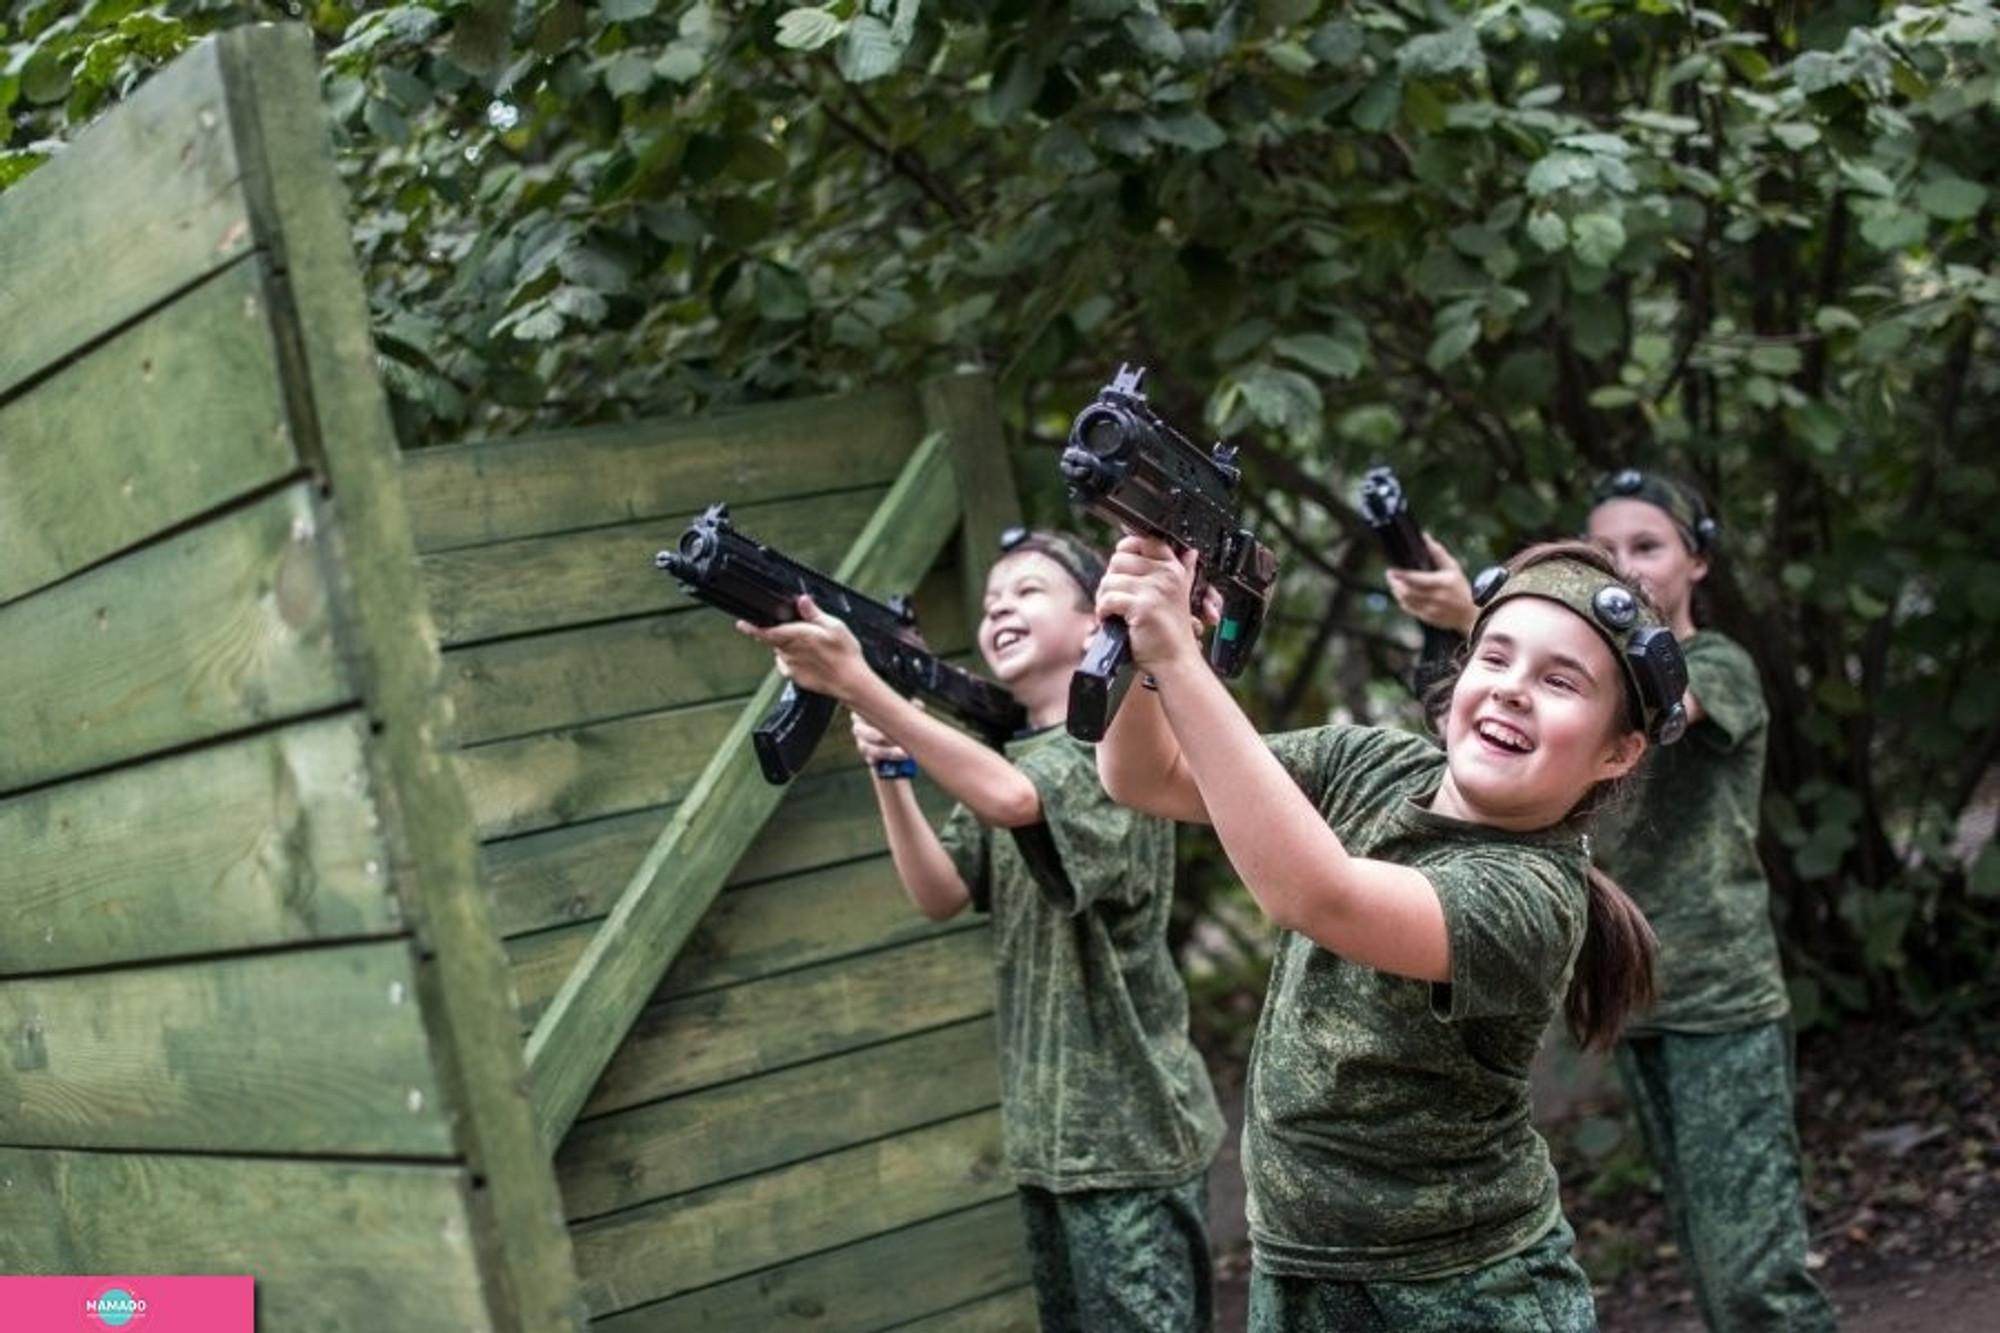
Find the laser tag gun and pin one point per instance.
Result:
(749, 581)
(1128, 466)
(1387, 512)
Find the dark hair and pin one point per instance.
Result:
(1078, 558)
(1614, 969)
(1679, 500)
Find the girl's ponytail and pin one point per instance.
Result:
(1614, 969)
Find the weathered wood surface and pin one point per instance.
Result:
(966, 1265)
(222, 627)
(737, 1031)
(335, 1246)
(219, 658)
(297, 203)
(602, 717)
(211, 1057)
(668, 1147)
(736, 1228)
(77, 482)
(602, 476)
(142, 207)
(577, 1035)
(272, 839)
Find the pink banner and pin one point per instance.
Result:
(141, 1304)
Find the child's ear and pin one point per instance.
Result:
(1624, 755)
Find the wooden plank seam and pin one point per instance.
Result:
(710, 830)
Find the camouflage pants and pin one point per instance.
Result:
(1715, 1110)
(1540, 1290)
(1121, 1261)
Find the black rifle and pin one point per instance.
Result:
(1383, 505)
(1125, 464)
(717, 565)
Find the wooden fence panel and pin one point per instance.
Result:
(334, 1246)
(602, 717)
(258, 1019)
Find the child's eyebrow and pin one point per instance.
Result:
(1567, 661)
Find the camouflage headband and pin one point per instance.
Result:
(1076, 558)
(1646, 650)
(1679, 502)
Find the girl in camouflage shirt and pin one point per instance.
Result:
(1708, 1068)
(1438, 906)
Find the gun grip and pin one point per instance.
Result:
(1100, 682)
(790, 732)
(1236, 633)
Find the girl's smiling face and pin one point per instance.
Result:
(1538, 717)
(1650, 547)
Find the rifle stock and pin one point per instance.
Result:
(717, 565)
(1126, 464)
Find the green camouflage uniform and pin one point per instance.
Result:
(1391, 1157)
(1709, 1068)
(1110, 1119)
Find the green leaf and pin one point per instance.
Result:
(1192, 130)
(1952, 198)
(1451, 343)
(870, 50)
(1548, 231)
(1597, 238)
(807, 29)
(1329, 356)
(1889, 227)
(1453, 51)
(1775, 359)
(628, 74)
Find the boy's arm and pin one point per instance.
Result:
(926, 869)
(821, 654)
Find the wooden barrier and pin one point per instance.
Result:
(396, 913)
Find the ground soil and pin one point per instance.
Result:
(1901, 1132)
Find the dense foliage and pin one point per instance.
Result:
(1502, 246)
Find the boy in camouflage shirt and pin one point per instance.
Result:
(1109, 1116)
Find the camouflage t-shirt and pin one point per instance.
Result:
(1388, 1128)
(1100, 1086)
(1686, 851)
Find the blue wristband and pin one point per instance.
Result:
(891, 769)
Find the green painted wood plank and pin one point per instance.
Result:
(208, 1056)
(592, 673)
(1009, 1311)
(543, 583)
(687, 1143)
(590, 772)
(716, 1035)
(341, 421)
(967, 1265)
(98, 457)
(223, 627)
(273, 839)
(140, 205)
(747, 932)
(334, 1246)
(573, 873)
(710, 828)
(962, 407)
(596, 476)
(750, 1224)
